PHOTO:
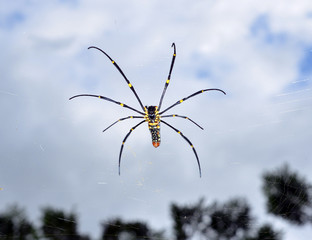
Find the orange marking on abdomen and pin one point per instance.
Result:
(156, 144)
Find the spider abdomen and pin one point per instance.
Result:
(155, 133)
(153, 119)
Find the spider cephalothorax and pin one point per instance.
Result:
(151, 114)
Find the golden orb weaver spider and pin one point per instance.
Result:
(150, 114)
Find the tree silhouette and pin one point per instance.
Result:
(117, 229)
(229, 220)
(187, 218)
(288, 195)
(58, 225)
(6, 227)
(14, 224)
(217, 221)
(266, 232)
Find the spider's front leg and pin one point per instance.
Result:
(121, 119)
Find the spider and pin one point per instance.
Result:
(150, 114)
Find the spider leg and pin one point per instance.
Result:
(124, 140)
(192, 95)
(169, 76)
(121, 72)
(107, 99)
(121, 119)
(188, 142)
(176, 115)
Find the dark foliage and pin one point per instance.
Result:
(218, 221)
(288, 195)
(229, 220)
(14, 225)
(6, 227)
(266, 232)
(187, 219)
(58, 225)
(116, 229)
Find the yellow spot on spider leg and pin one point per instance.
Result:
(173, 115)
(167, 81)
(113, 62)
(179, 132)
(129, 85)
(202, 91)
(131, 116)
(192, 146)
(121, 104)
(181, 100)
(123, 143)
(174, 54)
(99, 96)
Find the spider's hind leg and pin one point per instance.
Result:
(186, 139)
(124, 140)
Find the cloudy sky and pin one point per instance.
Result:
(53, 151)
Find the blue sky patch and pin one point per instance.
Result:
(202, 73)
(260, 28)
(304, 69)
(305, 64)
(72, 3)
(11, 20)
